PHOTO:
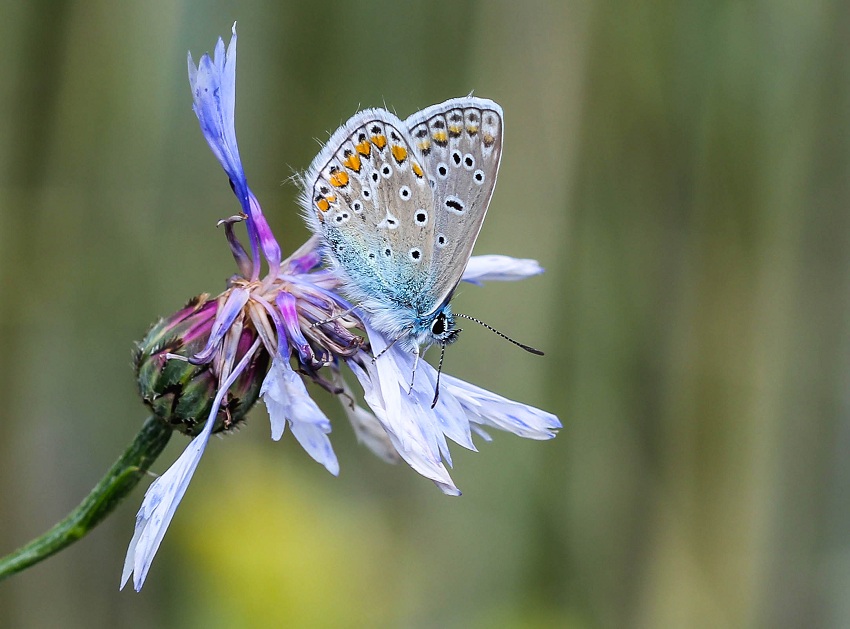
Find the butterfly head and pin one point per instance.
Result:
(436, 328)
(443, 329)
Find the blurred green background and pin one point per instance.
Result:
(682, 170)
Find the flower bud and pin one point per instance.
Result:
(181, 393)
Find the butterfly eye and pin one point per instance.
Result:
(438, 327)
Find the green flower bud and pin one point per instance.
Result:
(181, 393)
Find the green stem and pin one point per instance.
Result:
(121, 478)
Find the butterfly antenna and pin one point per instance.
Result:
(527, 348)
(439, 371)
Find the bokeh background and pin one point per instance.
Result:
(682, 170)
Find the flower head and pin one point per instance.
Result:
(204, 367)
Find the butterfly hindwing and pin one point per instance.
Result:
(461, 143)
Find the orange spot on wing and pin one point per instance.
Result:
(339, 179)
(455, 130)
(488, 139)
(352, 162)
(323, 204)
(440, 137)
(472, 129)
(364, 148)
(417, 170)
(399, 153)
(425, 145)
(380, 141)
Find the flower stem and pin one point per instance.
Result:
(121, 478)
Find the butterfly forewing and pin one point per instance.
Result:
(461, 143)
(372, 202)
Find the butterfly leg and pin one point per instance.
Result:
(345, 313)
(415, 365)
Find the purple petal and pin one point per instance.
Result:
(224, 318)
(286, 304)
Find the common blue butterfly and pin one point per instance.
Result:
(398, 206)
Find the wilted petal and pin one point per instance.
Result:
(160, 502)
(224, 319)
(166, 492)
(287, 305)
(370, 432)
(500, 268)
(287, 400)
(367, 428)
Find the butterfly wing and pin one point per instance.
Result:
(372, 203)
(461, 143)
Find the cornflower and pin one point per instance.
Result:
(200, 369)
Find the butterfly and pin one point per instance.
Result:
(398, 206)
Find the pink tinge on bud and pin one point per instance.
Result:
(181, 393)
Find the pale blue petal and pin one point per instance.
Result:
(499, 268)
(416, 430)
(160, 502)
(287, 401)
(489, 409)
(316, 443)
(404, 417)
(166, 492)
(370, 432)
